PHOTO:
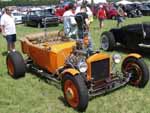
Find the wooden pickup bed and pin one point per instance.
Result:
(48, 51)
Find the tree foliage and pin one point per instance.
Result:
(27, 2)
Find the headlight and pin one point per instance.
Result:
(82, 66)
(116, 58)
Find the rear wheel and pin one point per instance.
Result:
(75, 92)
(15, 65)
(138, 69)
(107, 41)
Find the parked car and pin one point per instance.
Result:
(111, 12)
(131, 36)
(132, 11)
(95, 9)
(148, 4)
(39, 18)
(17, 17)
(144, 9)
(81, 73)
(60, 9)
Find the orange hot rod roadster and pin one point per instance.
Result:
(82, 73)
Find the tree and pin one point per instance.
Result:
(27, 2)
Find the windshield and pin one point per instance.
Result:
(143, 7)
(42, 13)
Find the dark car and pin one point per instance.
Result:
(40, 18)
(144, 9)
(131, 36)
(132, 11)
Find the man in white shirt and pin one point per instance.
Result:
(8, 29)
(70, 26)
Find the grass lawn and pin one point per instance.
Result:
(32, 95)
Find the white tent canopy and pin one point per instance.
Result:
(137, 2)
(124, 2)
(97, 1)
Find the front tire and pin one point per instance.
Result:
(139, 71)
(75, 92)
(107, 41)
(15, 65)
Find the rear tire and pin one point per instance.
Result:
(15, 65)
(75, 92)
(107, 41)
(138, 69)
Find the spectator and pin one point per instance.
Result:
(88, 12)
(101, 14)
(83, 25)
(120, 16)
(70, 28)
(2, 12)
(8, 29)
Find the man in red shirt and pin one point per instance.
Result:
(101, 15)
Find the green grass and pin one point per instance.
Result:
(32, 95)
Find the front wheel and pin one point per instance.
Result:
(107, 41)
(138, 69)
(75, 92)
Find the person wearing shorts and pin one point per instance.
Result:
(11, 38)
(8, 29)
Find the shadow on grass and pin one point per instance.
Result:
(4, 53)
(62, 99)
(48, 81)
(57, 85)
(107, 93)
